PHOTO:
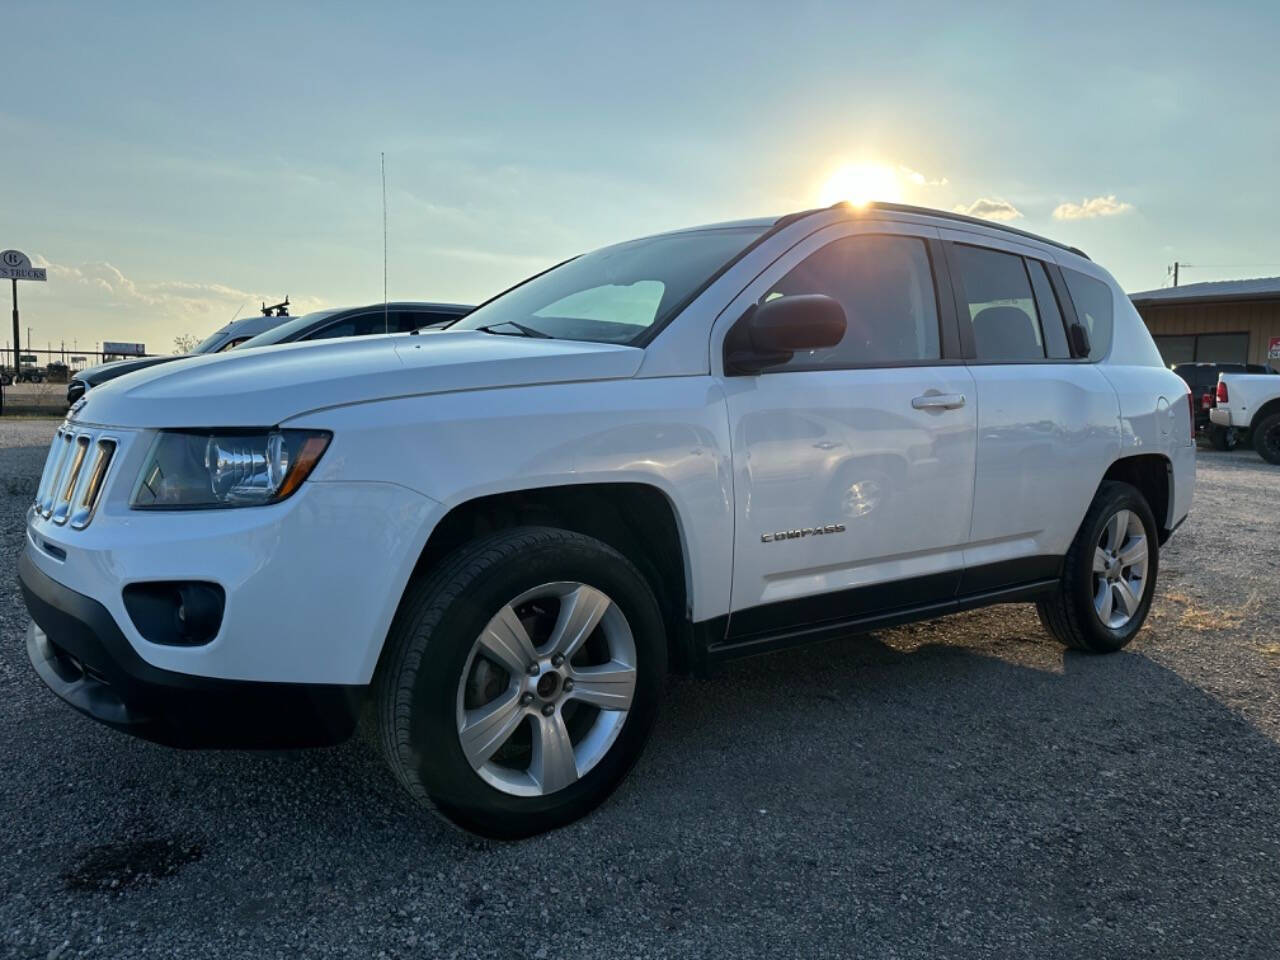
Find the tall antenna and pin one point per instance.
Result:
(386, 324)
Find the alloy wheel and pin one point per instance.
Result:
(1120, 562)
(546, 689)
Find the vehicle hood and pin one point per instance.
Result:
(270, 385)
(118, 368)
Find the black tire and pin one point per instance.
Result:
(440, 617)
(1068, 613)
(1266, 439)
(1223, 438)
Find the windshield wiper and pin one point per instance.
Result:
(523, 330)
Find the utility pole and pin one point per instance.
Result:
(1175, 273)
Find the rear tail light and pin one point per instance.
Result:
(1191, 410)
(1206, 401)
(1222, 392)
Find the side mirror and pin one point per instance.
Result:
(1079, 335)
(770, 333)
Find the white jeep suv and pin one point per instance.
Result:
(498, 538)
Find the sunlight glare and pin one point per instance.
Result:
(860, 183)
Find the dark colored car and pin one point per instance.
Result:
(1202, 378)
(263, 331)
(361, 322)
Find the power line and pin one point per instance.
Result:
(1172, 271)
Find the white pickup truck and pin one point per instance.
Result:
(667, 453)
(1251, 401)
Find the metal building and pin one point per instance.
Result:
(1230, 321)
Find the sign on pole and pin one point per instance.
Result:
(123, 349)
(16, 265)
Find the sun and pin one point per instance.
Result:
(860, 183)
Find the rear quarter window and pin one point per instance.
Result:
(1095, 308)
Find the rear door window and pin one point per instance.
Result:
(1002, 306)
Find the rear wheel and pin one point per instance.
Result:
(1109, 576)
(521, 681)
(1223, 438)
(1266, 438)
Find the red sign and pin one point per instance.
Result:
(1273, 349)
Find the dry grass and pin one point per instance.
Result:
(1195, 615)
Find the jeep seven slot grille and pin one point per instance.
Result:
(74, 476)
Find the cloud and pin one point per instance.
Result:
(95, 300)
(990, 209)
(918, 178)
(1091, 207)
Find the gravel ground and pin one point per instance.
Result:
(954, 789)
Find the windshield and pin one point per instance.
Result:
(208, 344)
(613, 295)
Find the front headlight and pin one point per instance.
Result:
(187, 469)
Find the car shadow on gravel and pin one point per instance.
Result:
(983, 772)
(940, 790)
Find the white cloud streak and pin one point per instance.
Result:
(919, 179)
(1091, 207)
(100, 297)
(989, 208)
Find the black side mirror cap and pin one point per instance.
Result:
(770, 333)
(1079, 335)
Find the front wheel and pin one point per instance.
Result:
(1109, 575)
(521, 681)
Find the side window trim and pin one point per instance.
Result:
(1053, 326)
(959, 305)
(1065, 304)
(943, 292)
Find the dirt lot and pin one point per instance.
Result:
(956, 789)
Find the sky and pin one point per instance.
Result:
(176, 164)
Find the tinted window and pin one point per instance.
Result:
(417, 319)
(1001, 304)
(361, 325)
(1051, 323)
(1095, 308)
(885, 285)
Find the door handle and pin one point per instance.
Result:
(938, 401)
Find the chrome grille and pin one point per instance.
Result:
(74, 476)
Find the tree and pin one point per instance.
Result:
(184, 343)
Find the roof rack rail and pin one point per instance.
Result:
(931, 212)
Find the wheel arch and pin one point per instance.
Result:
(1272, 406)
(1152, 475)
(637, 519)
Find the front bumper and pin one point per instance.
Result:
(311, 584)
(80, 653)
